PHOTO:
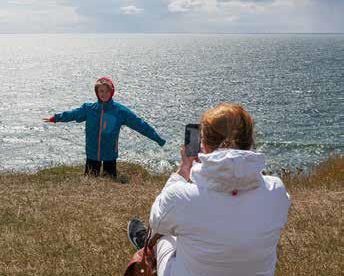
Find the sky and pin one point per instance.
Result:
(172, 16)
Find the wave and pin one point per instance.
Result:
(301, 145)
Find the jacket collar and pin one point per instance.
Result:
(105, 105)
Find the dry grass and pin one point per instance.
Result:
(58, 222)
(312, 242)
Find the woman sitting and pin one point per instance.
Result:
(227, 221)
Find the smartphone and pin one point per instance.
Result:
(192, 139)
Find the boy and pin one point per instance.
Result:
(104, 119)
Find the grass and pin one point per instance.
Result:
(58, 222)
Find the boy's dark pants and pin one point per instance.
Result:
(93, 168)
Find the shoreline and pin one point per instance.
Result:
(281, 171)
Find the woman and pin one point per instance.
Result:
(227, 221)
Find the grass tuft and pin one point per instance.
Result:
(58, 222)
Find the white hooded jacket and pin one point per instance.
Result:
(221, 233)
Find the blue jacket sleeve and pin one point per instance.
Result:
(78, 114)
(139, 125)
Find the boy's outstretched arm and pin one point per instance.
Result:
(78, 114)
(139, 125)
(49, 120)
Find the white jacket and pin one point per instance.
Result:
(220, 233)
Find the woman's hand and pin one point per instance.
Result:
(185, 164)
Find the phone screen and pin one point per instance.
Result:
(192, 139)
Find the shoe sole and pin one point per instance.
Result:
(129, 236)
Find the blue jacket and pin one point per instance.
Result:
(103, 124)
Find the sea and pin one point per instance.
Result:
(292, 85)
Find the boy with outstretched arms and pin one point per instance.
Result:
(104, 119)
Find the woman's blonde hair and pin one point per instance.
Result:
(227, 126)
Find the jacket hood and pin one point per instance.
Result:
(112, 91)
(226, 170)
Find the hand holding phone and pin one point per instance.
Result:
(192, 139)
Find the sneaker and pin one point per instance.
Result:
(137, 233)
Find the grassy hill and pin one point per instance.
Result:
(58, 222)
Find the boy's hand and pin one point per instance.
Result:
(162, 142)
(49, 120)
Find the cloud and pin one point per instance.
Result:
(172, 16)
(184, 5)
(247, 1)
(129, 10)
(37, 16)
(259, 16)
(113, 15)
(18, 2)
(234, 16)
